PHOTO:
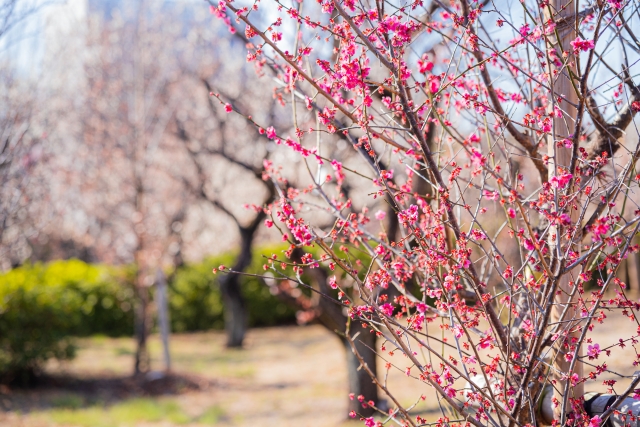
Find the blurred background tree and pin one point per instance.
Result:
(124, 169)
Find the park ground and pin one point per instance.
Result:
(285, 376)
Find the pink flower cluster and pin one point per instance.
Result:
(337, 166)
(582, 45)
(298, 228)
(353, 74)
(402, 30)
(599, 229)
(560, 181)
(369, 422)
(408, 216)
(593, 351)
(220, 13)
(387, 309)
(424, 65)
(477, 159)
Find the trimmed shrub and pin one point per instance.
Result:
(196, 303)
(42, 305)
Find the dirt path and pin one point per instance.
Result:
(286, 376)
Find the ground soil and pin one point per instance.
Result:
(285, 376)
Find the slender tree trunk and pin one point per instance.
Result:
(142, 363)
(633, 272)
(623, 271)
(162, 305)
(563, 309)
(141, 314)
(420, 184)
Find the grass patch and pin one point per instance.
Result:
(120, 351)
(211, 415)
(67, 401)
(88, 417)
(99, 339)
(127, 413)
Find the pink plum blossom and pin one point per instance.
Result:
(593, 351)
(582, 45)
(560, 181)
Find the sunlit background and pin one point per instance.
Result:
(123, 179)
(123, 185)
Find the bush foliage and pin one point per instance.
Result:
(196, 303)
(43, 305)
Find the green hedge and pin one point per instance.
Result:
(196, 303)
(41, 306)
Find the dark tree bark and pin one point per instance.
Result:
(330, 315)
(141, 313)
(142, 363)
(633, 272)
(393, 225)
(421, 186)
(235, 309)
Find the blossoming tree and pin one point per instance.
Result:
(501, 134)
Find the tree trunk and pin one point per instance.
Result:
(141, 322)
(360, 382)
(162, 305)
(633, 272)
(142, 363)
(560, 157)
(420, 184)
(623, 271)
(235, 310)
(333, 318)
